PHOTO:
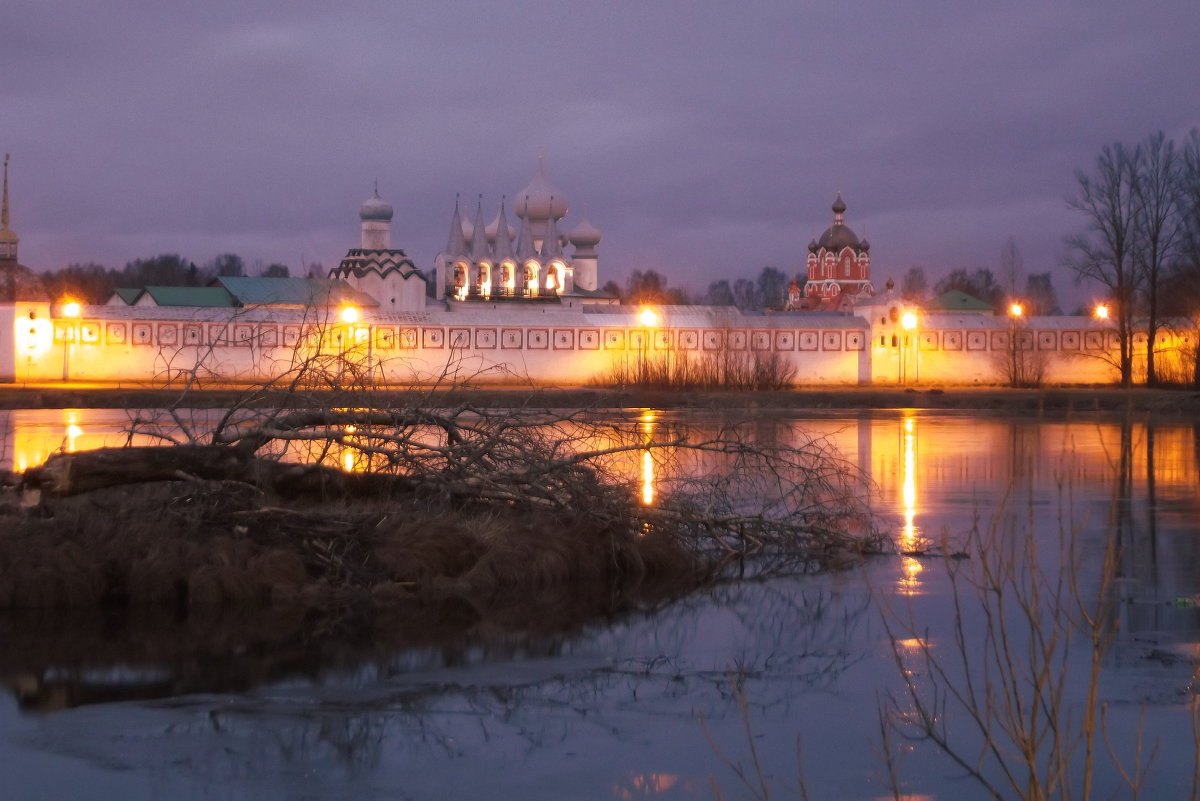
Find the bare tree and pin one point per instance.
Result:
(1107, 198)
(1012, 265)
(1159, 226)
(914, 286)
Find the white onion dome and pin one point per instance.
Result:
(540, 199)
(584, 235)
(376, 209)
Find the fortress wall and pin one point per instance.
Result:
(564, 348)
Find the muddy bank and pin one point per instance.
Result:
(1049, 400)
(309, 540)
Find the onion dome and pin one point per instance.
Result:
(376, 209)
(838, 235)
(813, 247)
(890, 285)
(865, 245)
(541, 199)
(584, 235)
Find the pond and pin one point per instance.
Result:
(648, 705)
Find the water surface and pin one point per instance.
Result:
(639, 706)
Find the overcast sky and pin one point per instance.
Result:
(704, 139)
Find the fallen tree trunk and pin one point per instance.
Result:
(73, 473)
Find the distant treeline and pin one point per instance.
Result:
(94, 283)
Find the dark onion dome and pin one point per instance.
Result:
(838, 236)
(890, 284)
(376, 209)
(813, 246)
(865, 245)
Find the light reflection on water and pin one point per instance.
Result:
(611, 711)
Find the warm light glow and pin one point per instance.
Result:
(910, 583)
(1016, 310)
(1101, 312)
(909, 321)
(71, 309)
(349, 315)
(34, 337)
(648, 318)
(74, 432)
(647, 479)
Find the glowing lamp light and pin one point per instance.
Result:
(909, 321)
(349, 315)
(1101, 312)
(648, 318)
(1016, 310)
(71, 309)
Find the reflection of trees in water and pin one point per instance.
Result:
(621, 684)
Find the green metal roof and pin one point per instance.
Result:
(203, 296)
(257, 291)
(128, 294)
(957, 300)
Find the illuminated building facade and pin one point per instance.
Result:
(839, 264)
(510, 306)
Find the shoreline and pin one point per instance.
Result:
(1184, 402)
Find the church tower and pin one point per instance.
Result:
(839, 263)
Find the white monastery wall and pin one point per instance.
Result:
(554, 345)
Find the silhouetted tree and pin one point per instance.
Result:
(980, 284)
(914, 286)
(228, 265)
(650, 288)
(1107, 199)
(743, 294)
(1040, 294)
(611, 287)
(276, 271)
(771, 288)
(167, 269)
(1012, 265)
(1158, 193)
(89, 283)
(719, 294)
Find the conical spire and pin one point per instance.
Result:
(525, 249)
(8, 240)
(479, 243)
(456, 245)
(551, 245)
(4, 212)
(503, 246)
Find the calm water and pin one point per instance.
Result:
(626, 708)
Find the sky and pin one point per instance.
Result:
(704, 139)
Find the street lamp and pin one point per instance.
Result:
(1014, 314)
(71, 310)
(1101, 312)
(908, 321)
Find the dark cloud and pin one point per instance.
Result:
(705, 140)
